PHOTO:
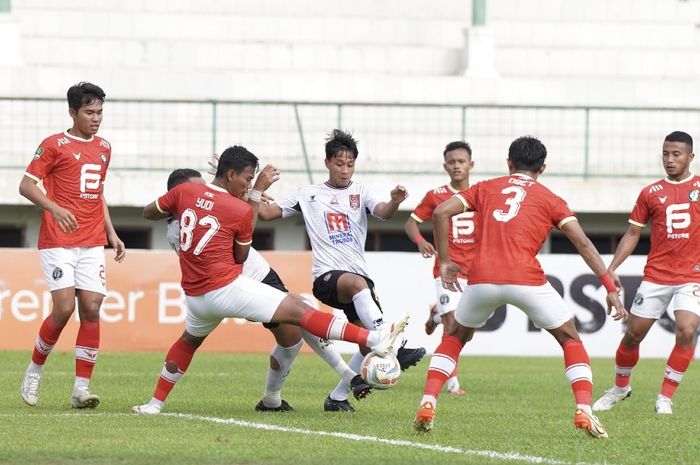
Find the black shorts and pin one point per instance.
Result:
(273, 280)
(326, 290)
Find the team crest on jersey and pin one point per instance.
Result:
(355, 201)
(694, 195)
(638, 299)
(444, 299)
(103, 157)
(57, 274)
(38, 153)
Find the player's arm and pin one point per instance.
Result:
(64, 218)
(152, 212)
(626, 246)
(267, 176)
(112, 238)
(441, 228)
(269, 211)
(584, 246)
(386, 210)
(425, 248)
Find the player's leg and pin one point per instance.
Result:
(289, 342)
(649, 305)
(686, 337)
(58, 267)
(452, 384)
(433, 320)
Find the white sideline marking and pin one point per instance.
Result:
(510, 456)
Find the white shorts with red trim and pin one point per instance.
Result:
(241, 298)
(446, 300)
(542, 304)
(652, 300)
(79, 267)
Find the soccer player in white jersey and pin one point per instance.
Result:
(289, 338)
(671, 278)
(75, 227)
(335, 216)
(457, 163)
(216, 230)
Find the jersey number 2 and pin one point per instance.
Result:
(517, 194)
(188, 221)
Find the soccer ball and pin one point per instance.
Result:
(380, 372)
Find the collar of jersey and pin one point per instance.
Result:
(523, 176)
(670, 181)
(78, 138)
(216, 188)
(336, 187)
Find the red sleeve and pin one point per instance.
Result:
(560, 211)
(244, 235)
(167, 203)
(44, 160)
(426, 207)
(471, 196)
(640, 212)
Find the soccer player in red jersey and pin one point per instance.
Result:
(457, 163)
(514, 214)
(671, 278)
(216, 230)
(75, 227)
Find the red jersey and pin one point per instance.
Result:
(514, 214)
(73, 171)
(674, 211)
(211, 219)
(461, 238)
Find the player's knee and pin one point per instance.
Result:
(685, 335)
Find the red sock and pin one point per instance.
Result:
(677, 364)
(442, 364)
(330, 327)
(179, 358)
(48, 335)
(578, 371)
(625, 359)
(87, 346)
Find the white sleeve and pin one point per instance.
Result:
(290, 205)
(172, 234)
(371, 201)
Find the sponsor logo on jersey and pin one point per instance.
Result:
(76, 155)
(662, 198)
(209, 194)
(338, 228)
(694, 195)
(103, 157)
(334, 200)
(57, 274)
(38, 152)
(638, 299)
(312, 198)
(354, 201)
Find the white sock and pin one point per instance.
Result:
(452, 384)
(342, 390)
(156, 402)
(367, 310)
(327, 351)
(428, 398)
(586, 408)
(619, 390)
(81, 382)
(34, 368)
(275, 378)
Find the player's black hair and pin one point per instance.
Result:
(181, 175)
(527, 153)
(680, 136)
(456, 145)
(339, 142)
(236, 158)
(84, 93)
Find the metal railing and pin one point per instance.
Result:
(582, 142)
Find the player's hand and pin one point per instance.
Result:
(213, 164)
(118, 246)
(616, 279)
(448, 274)
(399, 194)
(426, 249)
(614, 302)
(267, 198)
(267, 176)
(65, 219)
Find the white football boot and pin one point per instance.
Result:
(82, 398)
(30, 388)
(388, 339)
(663, 405)
(611, 397)
(145, 409)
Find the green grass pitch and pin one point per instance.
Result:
(517, 410)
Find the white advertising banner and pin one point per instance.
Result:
(404, 284)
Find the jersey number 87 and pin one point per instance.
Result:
(188, 221)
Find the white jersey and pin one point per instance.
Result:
(336, 222)
(255, 266)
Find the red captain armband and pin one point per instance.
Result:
(607, 282)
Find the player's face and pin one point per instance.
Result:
(676, 157)
(238, 184)
(457, 164)
(340, 169)
(87, 120)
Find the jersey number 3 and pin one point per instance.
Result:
(516, 196)
(188, 221)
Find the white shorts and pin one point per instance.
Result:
(446, 300)
(242, 298)
(652, 300)
(79, 267)
(542, 304)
